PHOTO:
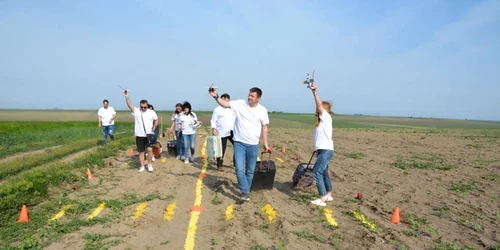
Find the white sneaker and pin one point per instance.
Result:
(141, 169)
(153, 159)
(329, 198)
(178, 157)
(318, 202)
(186, 161)
(150, 168)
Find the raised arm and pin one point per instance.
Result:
(221, 102)
(319, 104)
(129, 104)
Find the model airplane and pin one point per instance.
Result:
(309, 81)
(125, 90)
(212, 87)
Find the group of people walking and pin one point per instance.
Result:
(242, 122)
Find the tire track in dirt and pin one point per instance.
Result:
(28, 153)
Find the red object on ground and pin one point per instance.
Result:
(359, 196)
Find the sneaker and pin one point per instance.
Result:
(141, 169)
(150, 168)
(245, 197)
(191, 159)
(318, 202)
(329, 198)
(178, 157)
(153, 159)
(112, 137)
(183, 158)
(186, 161)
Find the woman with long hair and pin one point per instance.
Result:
(189, 124)
(179, 147)
(323, 144)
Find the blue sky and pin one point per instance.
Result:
(392, 57)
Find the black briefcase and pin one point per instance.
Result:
(264, 173)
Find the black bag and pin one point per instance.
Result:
(302, 177)
(264, 174)
(171, 146)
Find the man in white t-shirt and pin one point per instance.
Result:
(251, 121)
(106, 116)
(222, 124)
(146, 122)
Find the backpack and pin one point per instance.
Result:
(157, 150)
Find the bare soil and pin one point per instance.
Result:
(437, 207)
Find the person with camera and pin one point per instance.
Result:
(145, 124)
(251, 121)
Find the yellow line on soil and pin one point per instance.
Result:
(329, 217)
(139, 211)
(169, 212)
(97, 211)
(61, 213)
(195, 212)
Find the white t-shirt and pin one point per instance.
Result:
(223, 120)
(175, 118)
(106, 115)
(149, 116)
(188, 123)
(323, 134)
(249, 121)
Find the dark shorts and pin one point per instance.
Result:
(142, 143)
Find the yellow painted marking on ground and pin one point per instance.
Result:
(97, 211)
(61, 213)
(279, 159)
(163, 159)
(139, 211)
(169, 213)
(195, 215)
(258, 158)
(229, 212)
(329, 217)
(269, 210)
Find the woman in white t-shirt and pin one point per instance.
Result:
(179, 146)
(188, 124)
(323, 144)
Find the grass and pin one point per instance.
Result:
(17, 165)
(31, 187)
(27, 136)
(423, 161)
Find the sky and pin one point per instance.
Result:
(426, 58)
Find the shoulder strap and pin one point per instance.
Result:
(143, 124)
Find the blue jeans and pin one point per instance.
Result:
(107, 130)
(245, 159)
(320, 171)
(179, 147)
(189, 141)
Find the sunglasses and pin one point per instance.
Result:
(144, 107)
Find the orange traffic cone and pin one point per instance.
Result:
(395, 216)
(89, 174)
(131, 151)
(23, 217)
(283, 150)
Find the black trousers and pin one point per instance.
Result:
(224, 140)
